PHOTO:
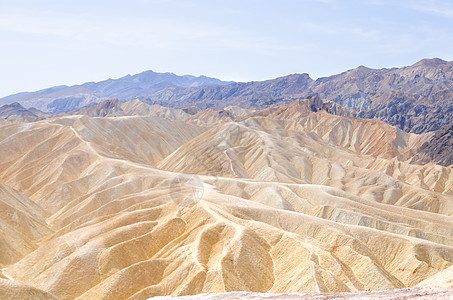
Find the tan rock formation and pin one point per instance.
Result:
(441, 279)
(408, 293)
(14, 290)
(286, 201)
(22, 225)
(116, 108)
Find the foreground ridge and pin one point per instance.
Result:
(407, 293)
(291, 198)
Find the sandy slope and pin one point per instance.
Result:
(115, 108)
(22, 225)
(294, 201)
(15, 290)
(408, 293)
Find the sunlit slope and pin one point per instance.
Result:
(16, 290)
(268, 149)
(148, 245)
(146, 206)
(116, 108)
(53, 162)
(228, 114)
(440, 279)
(22, 225)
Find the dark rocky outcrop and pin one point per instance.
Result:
(417, 98)
(440, 148)
(255, 94)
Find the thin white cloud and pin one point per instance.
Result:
(161, 33)
(376, 2)
(434, 7)
(232, 39)
(325, 1)
(439, 8)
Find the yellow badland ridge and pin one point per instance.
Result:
(164, 203)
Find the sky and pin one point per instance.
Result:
(58, 42)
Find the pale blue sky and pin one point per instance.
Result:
(46, 43)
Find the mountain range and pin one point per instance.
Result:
(417, 98)
(66, 98)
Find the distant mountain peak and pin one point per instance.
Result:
(64, 99)
(13, 105)
(15, 111)
(397, 95)
(431, 62)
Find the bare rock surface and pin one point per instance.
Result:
(408, 293)
(63, 98)
(16, 112)
(440, 148)
(14, 290)
(416, 98)
(290, 199)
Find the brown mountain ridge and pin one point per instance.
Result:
(416, 98)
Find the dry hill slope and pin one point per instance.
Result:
(408, 293)
(115, 108)
(439, 148)
(22, 225)
(290, 200)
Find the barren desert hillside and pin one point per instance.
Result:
(130, 201)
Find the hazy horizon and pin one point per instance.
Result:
(68, 43)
